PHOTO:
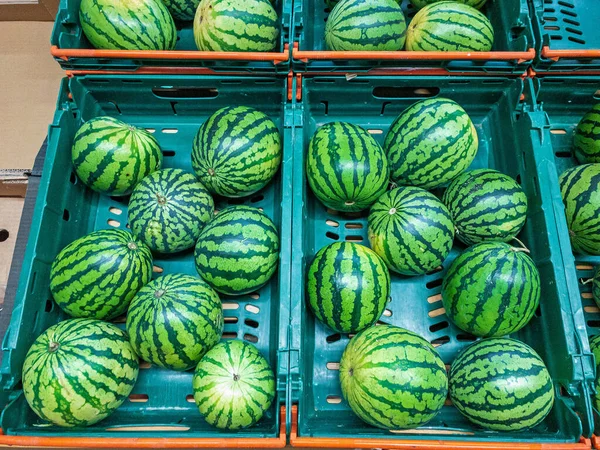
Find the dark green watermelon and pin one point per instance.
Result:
(430, 143)
(392, 378)
(486, 205)
(580, 189)
(348, 286)
(78, 372)
(501, 384)
(238, 251)
(168, 209)
(586, 139)
(184, 10)
(97, 275)
(346, 168)
(595, 348)
(596, 287)
(411, 230)
(174, 320)
(491, 289)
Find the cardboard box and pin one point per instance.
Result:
(40, 10)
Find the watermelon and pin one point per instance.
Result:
(430, 143)
(586, 139)
(78, 372)
(580, 189)
(97, 275)
(348, 286)
(346, 168)
(478, 4)
(411, 230)
(596, 288)
(174, 320)
(236, 26)
(491, 289)
(486, 205)
(233, 385)
(501, 384)
(237, 151)
(238, 251)
(392, 378)
(111, 157)
(128, 24)
(446, 26)
(371, 26)
(183, 10)
(595, 348)
(168, 210)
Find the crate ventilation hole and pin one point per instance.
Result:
(561, 15)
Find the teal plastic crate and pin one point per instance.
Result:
(566, 33)
(511, 137)
(161, 404)
(513, 49)
(73, 51)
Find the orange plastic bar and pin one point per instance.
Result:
(413, 56)
(557, 54)
(154, 71)
(415, 72)
(65, 54)
(595, 441)
(82, 442)
(315, 442)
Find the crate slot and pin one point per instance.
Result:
(116, 211)
(138, 398)
(66, 215)
(250, 338)
(113, 223)
(251, 323)
(332, 223)
(230, 305)
(252, 309)
(333, 365)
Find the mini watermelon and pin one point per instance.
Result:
(392, 378)
(238, 251)
(586, 140)
(486, 205)
(411, 230)
(168, 210)
(595, 348)
(501, 384)
(174, 320)
(183, 10)
(478, 4)
(111, 157)
(446, 26)
(348, 286)
(97, 275)
(346, 168)
(78, 372)
(491, 289)
(128, 24)
(233, 385)
(430, 143)
(236, 26)
(361, 25)
(237, 151)
(580, 188)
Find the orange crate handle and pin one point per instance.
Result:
(557, 54)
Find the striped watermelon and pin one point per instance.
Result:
(491, 289)
(346, 167)
(595, 348)
(78, 372)
(111, 156)
(473, 3)
(580, 188)
(97, 275)
(361, 25)
(392, 378)
(236, 26)
(348, 286)
(128, 24)
(586, 140)
(411, 230)
(238, 251)
(174, 320)
(168, 210)
(237, 151)
(501, 384)
(449, 26)
(430, 143)
(486, 205)
(233, 385)
(183, 10)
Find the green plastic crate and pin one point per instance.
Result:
(68, 36)
(566, 33)
(511, 140)
(510, 19)
(66, 209)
